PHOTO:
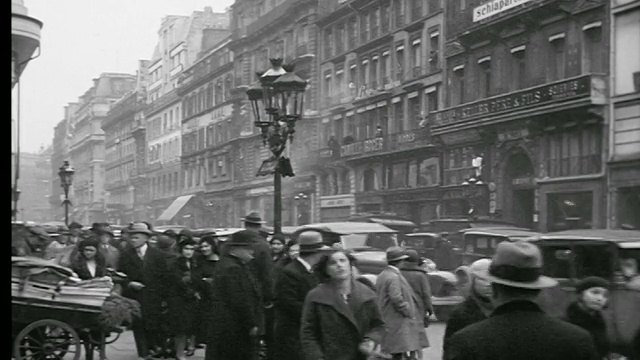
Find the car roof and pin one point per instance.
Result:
(466, 220)
(609, 235)
(422, 234)
(286, 230)
(347, 227)
(501, 231)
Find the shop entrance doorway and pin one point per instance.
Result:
(519, 190)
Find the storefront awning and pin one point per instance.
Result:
(393, 222)
(174, 208)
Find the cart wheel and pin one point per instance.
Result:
(47, 340)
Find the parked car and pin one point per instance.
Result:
(369, 241)
(572, 255)
(452, 226)
(480, 243)
(401, 224)
(422, 242)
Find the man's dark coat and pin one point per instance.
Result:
(520, 330)
(234, 304)
(463, 315)
(291, 289)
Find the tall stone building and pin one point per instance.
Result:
(380, 74)
(120, 151)
(62, 135)
(525, 111)
(180, 41)
(624, 159)
(35, 186)
(86, 151)
(263, 30)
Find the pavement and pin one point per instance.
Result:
(125, 347)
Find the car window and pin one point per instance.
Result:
(369, 241)
(579, 261)
(420, 241)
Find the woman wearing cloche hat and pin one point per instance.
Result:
(592, 296)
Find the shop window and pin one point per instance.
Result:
(575, 152)
(629, 207)
(399, 175)
(369, 180)
(570, 211)
(428, 172)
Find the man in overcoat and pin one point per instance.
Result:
(518, 328)
(262, 263)
(147, 278)
(295, 281)
(404, 331)
(419, 281)
(111, 253)
(235, 303)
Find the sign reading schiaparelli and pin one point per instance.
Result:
(586, 85)
(495, 7)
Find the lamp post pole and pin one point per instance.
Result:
(66, 179)
(277, 103)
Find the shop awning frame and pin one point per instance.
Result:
(169, 213)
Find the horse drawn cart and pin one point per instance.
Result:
(54, 315)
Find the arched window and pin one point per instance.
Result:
(369, 180)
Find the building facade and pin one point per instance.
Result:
(120, 150)
(624, 151)
(59, 153)
(526, 112)
(87, 148)
(207, 133)
(380, 74)
(180, 41)
(36, 186)
(260, 31)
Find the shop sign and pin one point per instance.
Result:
(494, 7)
(524, 181)
(537, 96)
(461, 137)
(369, 199)
(340, 202)
(259, 191)
(512, 135)
(362, 147)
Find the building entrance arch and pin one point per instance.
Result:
(519, 196)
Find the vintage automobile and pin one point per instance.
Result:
(401, 224)
(479, 243)
(574, 254)
(453, 226)
(369, 242)
(422, 242)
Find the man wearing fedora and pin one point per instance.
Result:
(147, 278)
(111, 253)
(518, 328)
(262, 262)
(235, 303)
(295, 281)
(404, 329)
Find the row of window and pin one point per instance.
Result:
(119, 173)
(207, 97)
(404, 113)
(403, 174)
(375, 22)
(125, 198)
(380, 68)
(213, 135)
(120, 150)
(165, 185)
(196, 174)
(519, 67)
(165, 151)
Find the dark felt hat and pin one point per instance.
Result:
(591, 282)
(253, 218)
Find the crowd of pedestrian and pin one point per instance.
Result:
(248, 297)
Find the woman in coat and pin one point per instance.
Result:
(186, 286)
(208, 259)
(477, 304)
(89, 263)
(586, 311)
(340, 319)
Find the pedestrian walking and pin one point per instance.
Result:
(185, 288)
(295, 281)
(518, 328)
(404, 331)
(235, 303)
(477, 304)
(419, 281)
(341, 319)
(75, 232)
(592, 296)
(109, 251)
(209, 258)
(147, 278)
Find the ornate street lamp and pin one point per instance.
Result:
(277, 103)
(66, 179)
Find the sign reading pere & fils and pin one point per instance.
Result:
(548, 93)
(494, 7)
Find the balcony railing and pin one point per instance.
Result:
(574, 166)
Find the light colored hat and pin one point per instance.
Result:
(140, 228)
(311, 242)
(517, 264)
(396, 253)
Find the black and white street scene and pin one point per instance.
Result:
(325, 179)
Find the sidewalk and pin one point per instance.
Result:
(125, 349)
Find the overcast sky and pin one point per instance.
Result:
(81, 39)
